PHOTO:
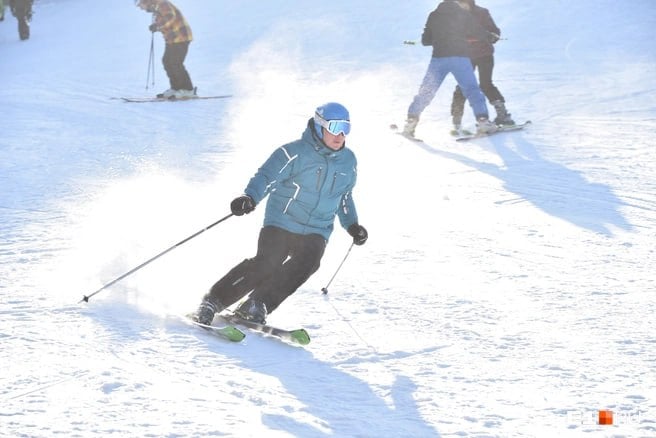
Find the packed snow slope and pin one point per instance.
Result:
(507, 288)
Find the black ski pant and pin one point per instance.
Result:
(485, 67)
(173, 60)
(22, 10)
(284, 261)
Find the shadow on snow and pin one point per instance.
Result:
(551, 187)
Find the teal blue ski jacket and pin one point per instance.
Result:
(308, 184)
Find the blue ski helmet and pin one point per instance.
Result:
(332, 116)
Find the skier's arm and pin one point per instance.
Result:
(347, 213)
(476, 31)
(494, 33)
(427, 35)
(276, 168)
(165, 17)
(489, 23)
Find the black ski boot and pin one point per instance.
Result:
(252, 310)
(205, 312)
(503, 116)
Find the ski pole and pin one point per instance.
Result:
(325, 289)
(86, 297)
(414, 43)
(151, 60)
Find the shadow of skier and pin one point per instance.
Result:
(341, 404)
(551, 187)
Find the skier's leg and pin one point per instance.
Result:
(494, 96)
(272, 250)
(433, 78)
(464, 74)
(173, 60)
(23, 28)
(182, 75)
(458, 104)
(20, 11)
(304, 260)
(172, 64)
(485, 69)
(167, 62)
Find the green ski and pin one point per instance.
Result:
(298, 336)
(228, 332)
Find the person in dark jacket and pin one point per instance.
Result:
(177, 34)
(22, 10)
(449, 29)
(308, 182)
(482, 58)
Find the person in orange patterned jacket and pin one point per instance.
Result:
(177, 34)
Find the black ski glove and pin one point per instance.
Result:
(152, 27)
(359, 234)
(242, 205)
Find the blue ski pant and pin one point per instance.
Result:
(485, 65)
(438, 68)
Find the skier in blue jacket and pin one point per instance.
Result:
(308, 181)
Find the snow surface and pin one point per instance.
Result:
(507, 288)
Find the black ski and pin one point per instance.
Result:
(168, 99)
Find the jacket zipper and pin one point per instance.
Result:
(319, 178)
(332, 187)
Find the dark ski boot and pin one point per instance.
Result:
(503, 116)
(252, 310)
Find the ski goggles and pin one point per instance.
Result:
(335, 127)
